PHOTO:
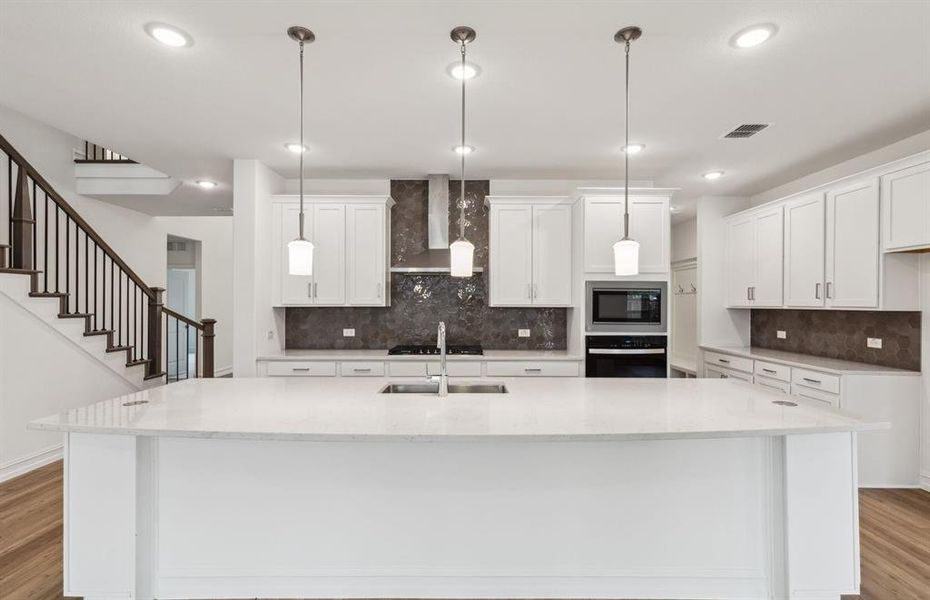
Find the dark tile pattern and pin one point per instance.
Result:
(418, 303)
(842, 334)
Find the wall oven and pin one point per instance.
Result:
(627, 306)
(626, 356)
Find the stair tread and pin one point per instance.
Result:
(138, 361)
(154, 376)
(74, 315)
(48, 294)
(19, 271)
(98, 332)
(119, 348)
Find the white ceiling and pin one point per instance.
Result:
(839, 79)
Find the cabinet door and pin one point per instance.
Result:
(804, 251)
(365, 249)
(649, 225)
(739, 260)
(511, 253)
(552, 255)
(329, 239)
(603, 227)
(295, 289)
(853, 246)
(769, 258)
(906, 207)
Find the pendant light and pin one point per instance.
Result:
(300, 251)
(461, 251)
(626, 251)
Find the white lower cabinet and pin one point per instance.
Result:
(351, 368)
(456, 369)
(887, 458)
(350, 235)
(316, 368)
(550, 368)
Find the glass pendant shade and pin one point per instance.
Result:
(462, 258)
(626, 257)
(300, 257)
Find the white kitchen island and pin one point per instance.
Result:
(561, 488)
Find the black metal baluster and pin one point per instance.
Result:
(187, 350)
(177, 351)
(112, 297)
(119, 298)
(68, 263)
(95, 286)
(45, 248)
(86, 276)
(103, 289)
(35, 223)
(197, 353)
(57, 245)
(9, 199)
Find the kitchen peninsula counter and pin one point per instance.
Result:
(561, 488)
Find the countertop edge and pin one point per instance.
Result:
(878, 371)
(405, 357)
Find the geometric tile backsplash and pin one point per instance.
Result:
(420, 301)
(842, 334)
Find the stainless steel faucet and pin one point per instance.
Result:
(441, 344)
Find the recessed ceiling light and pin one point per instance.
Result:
(206, 184)
(753, 36)
(634, 148)
(464, 149)
(295, 147)
(168, 35)
(471, 70)
(711, 175)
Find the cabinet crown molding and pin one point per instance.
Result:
(567, 200)
(594, 192)
(333, 199)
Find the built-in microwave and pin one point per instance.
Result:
(627, 306)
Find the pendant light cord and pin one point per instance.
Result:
(464, 151)
(626, 152)
(301, 174)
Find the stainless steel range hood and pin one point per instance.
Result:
(436, 258)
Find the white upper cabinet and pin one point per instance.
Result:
(852, 259)
(350, 236)
(329, 254)
(906, 208)
(530, 251)
(755, 259)
(804, 251)
(366, 258)
(649, 225)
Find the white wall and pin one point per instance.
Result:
(684, 240)
(42, 373)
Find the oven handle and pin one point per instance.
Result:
(621, 351)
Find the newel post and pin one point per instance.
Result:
(156, 304)
(23, 223)
(208, 336)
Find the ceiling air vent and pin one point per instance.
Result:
(746, 130)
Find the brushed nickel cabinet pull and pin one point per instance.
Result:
(723, 360)
(529, 370)
(809, 380)
(817, 291)
(362, 370)
(768, 370)
(298, 369)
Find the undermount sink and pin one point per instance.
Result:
(454, 388)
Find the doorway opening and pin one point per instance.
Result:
(183, 296)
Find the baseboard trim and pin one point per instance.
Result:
(223, 371)
(30, 462)
(925, 481)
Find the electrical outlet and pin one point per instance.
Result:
(523, 332)
(270, 334)
(348, 333)
(781, 334)
(874, 343)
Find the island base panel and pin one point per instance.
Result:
(751, 517)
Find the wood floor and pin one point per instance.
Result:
(895, 532)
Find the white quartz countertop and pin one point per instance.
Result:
(489, 355)
(537, 408)
(794, 359)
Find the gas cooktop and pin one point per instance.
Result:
(430, 349)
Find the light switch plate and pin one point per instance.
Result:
(874, 343)
(781, 334)
(523, 332)
(348, 333)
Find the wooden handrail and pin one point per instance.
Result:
(182, 318)
(22, 163)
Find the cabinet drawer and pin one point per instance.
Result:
(810, 394)
(456, 369)
(715, 371)
(736, 363)
(301, 369)
(773, 371)
(815, 380)
(361, 369)
(407, 368)
(533, 369)
(772, 384)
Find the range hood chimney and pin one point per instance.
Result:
(436, 258)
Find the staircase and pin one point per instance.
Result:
(67, 275)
